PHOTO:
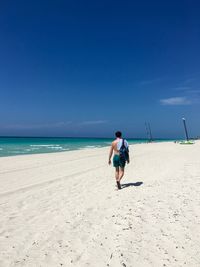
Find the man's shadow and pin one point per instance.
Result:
(131, 184)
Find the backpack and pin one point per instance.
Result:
(124, 152)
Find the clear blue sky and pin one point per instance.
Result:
(88, 68)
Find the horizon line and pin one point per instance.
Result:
(86, 137)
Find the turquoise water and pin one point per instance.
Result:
(11, 146)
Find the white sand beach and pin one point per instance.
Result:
(63, 209)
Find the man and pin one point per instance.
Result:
(119, 160)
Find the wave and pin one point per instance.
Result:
(18, 152)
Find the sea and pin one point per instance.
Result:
(12, 146)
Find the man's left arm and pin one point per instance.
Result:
(128, 159)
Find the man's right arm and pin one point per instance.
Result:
(110, 154)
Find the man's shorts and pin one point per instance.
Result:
(118, 162)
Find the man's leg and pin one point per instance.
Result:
(121, 173)
(117, 177)
(117, 173)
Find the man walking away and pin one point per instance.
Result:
(121, 155)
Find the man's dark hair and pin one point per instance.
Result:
(118, 134)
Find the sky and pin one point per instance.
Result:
(89, 68)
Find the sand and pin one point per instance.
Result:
(63, 209)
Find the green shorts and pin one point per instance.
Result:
(118, 162)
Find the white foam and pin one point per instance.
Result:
(55, 147)
(44, 145)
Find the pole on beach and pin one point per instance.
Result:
(150, 133)
(147, 132)
(186, 132)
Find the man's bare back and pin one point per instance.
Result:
(114, 146)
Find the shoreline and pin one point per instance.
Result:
(39, 160)
(82, 148)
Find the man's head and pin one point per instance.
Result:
(118, 134)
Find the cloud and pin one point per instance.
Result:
(56, 125)
(175, 101)
(148, 82)
(187, 90)
(190, 80)
(182, 88)
(37, 126)
(195, 91)
(93, 122)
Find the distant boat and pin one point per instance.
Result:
(186, 142)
